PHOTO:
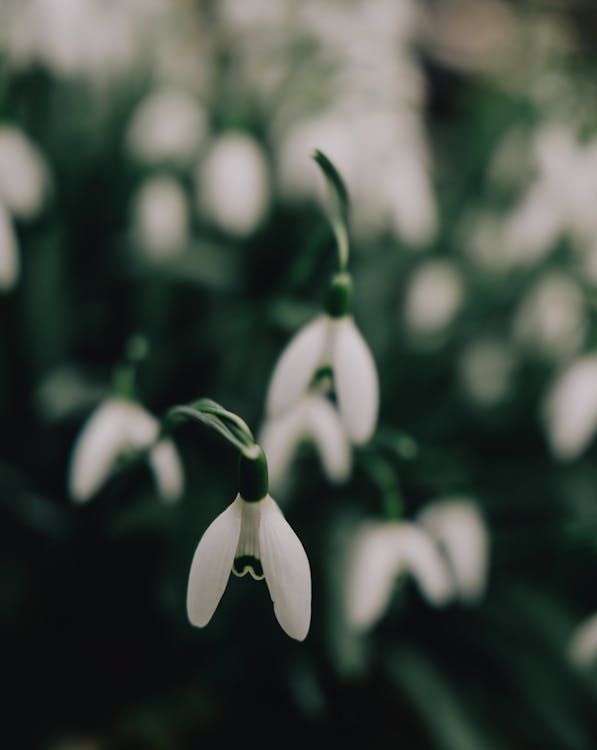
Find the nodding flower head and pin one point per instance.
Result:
(252, 528)
(331, 340)
(382, 551)
(116, 428)
(312, 418)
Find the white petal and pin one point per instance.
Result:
(22, 173)
(370, 576)
(100, 441)
(328, 435)
(355, 378)
(296, 366)
(167, 470)
(286, 569)
(380, 552)
(279, 440)
(570, 409)
(458, 527)
(583, 644)
(9, 256)
(141, 427)
(212, 564)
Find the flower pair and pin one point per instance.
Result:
(445, 551)
(296, 408)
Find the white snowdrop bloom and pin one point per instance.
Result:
(458, 527)
(582, 647)
(570, 408)
(168, 125)
(337, 343)
(117, 427)
(161, 218)
(255, 529)
(312, 418)
(434, 296)
(233, 183)
(551, 318)
(23, 173)
(382, 551)
(9, 254)
(486, 368)
(82, 37)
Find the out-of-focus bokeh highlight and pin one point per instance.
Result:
(163, 236)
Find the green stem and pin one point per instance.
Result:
(339, 206)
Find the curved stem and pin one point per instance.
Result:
(339, 206)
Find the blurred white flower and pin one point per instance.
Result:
(311, 418)
(337, 343)
(233, 183)
(486, 367)
(9, 254)
(570, 408)
(168, 126)
(257, 530)
(161, 218)
(582, 648)
(434, 296)
(551, 318)
(379, 553)
(80, 37)
(118, 427)
(459, 529)
(23, 173)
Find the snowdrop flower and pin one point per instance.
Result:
(252, 527)
(168, 125)
(23, 173)
(582, 647)
(551, 318)
(119, 426)
(486, 369)
(458, 528)
(233, 183)
(312, 418)
(434, 296)
(570, 408)
(9, 256)
(380, 552)
(331, 340)
(161, 218)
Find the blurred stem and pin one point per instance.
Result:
(385, 476)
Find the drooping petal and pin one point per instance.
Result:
(459, 529)
(370, 576)
(328, 435)
(570, 409)
(95, 451)
(9, 255)
(141, 427)
(286, 569)
(167, 470)
(583, 643)
(382, 551)
(296, 366)
(212, 564)
(355, 377)
(279, 439)
(23, 173)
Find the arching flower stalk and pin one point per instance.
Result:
(330, 343)
(250, 536)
